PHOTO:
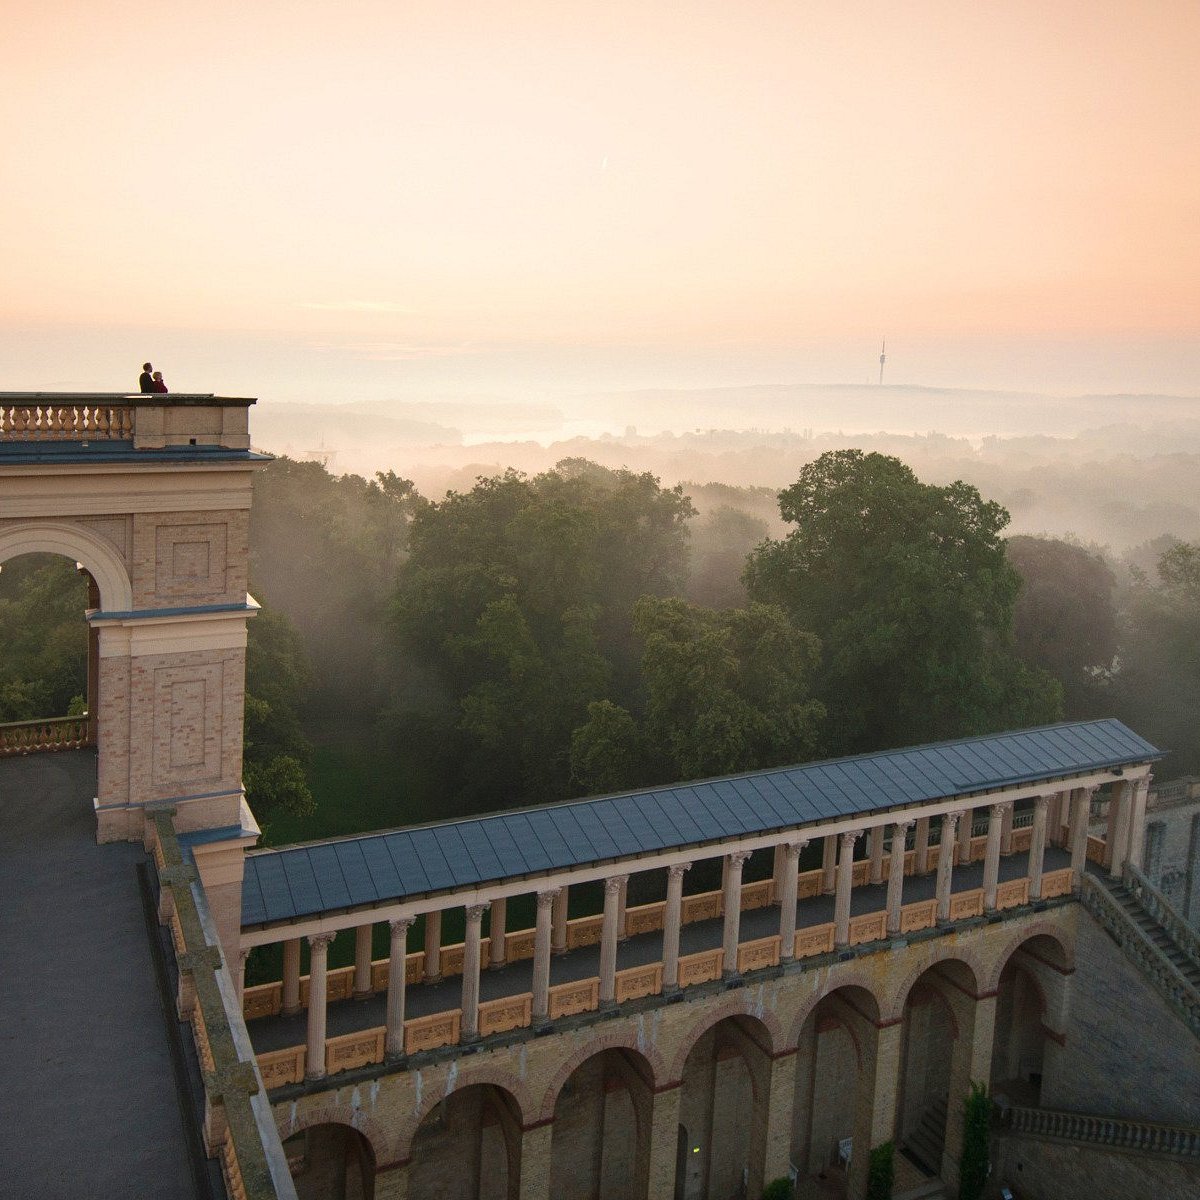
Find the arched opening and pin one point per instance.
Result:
(938, 1025)
(468, 1147)
(723, 1107)
(600, 1149)
(49, 657)
(833, 1060)
(331, 1162)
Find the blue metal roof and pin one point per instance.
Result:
(298, 881)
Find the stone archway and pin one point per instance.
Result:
(331, 1161)
(78, 543)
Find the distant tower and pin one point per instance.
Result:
(882, 359)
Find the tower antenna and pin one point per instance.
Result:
(882, 359)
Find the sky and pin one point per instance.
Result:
(306, 200)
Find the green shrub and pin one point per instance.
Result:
(778, 1189)
(880, 1173)
(973, 1167)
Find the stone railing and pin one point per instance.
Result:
(150, 422)
(1145, 1137)
(66, 420)
(239, 1128)
(435, 1030)
(1161, 909)
(1142, 952)
(1176, 791)
(52, 733)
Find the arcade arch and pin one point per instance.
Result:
(94, 553)
(331, 1161)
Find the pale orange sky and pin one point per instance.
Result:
(422, 177)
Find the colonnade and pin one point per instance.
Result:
(1058, 818)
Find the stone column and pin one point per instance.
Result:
(966, 827)
(1006, 831)
(1111, 830)
(777, 872)
(733, 910)
(541, 956)
(497, 924)
(1120, 844)
(672, 918)
(608, 940)
(829, 864)
(787, 899)
(878, 1095)
(239, 975)
(318, 954)
(558, 922)
(845, 882)
(291, 977)
(970, 1059)
(1037, 846)
(1137, 823)
(921, 847)
(945, 865)
(397, 956)
(895, 892)
(1081, 807)
(470, 976)
(876, 836)
(391, 1183)
(776, 1138)
(362, 962)
(991, 858)
(433, 947)
(664, 1141)
(622, 905)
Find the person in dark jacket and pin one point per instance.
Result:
(145, 379)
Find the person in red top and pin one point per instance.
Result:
(156, 383)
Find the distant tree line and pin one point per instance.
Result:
(585, 630)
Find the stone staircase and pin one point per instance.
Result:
(1164, 948)
(926, 1143)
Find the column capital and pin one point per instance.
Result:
(738, 857)
(903, 825)
(848, 838)
(320, 941)
(676, 870)
(614, 883)
(1001, 807)
(795, 849)
(1042, 802)
(475, 911)
(547, 898)
(400, 924)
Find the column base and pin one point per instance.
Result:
(290, 1012)
(432, 978)
(495, 966)
(608, 1006)
(362, 995)
(309, 1077)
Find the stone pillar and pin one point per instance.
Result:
(497, 924)
(622, 906)
(845, 882)
(945, 865)
(895, 892)
(541, 956)
(991, 858)
(608, 940)
(777, 872)
(397, 956)
(1120, 840)
(470, 976)
(733, 910)
(1006, 831)
(971, 1059)
(433, 947)
(966, 828)
(318, 990)
(876, 840)
(1081, 807)
(362, 962)
(829, 864)
(1037, 846)
(391, 1183)
(1137, 823)
(777, 1140)
(787, 899)
(558, 922)
(878, 1092)
(921, 847)
(672, 918)
(1111, 830)
(291, 977)
(239, 975)
(664, 1141)
(535, 1162)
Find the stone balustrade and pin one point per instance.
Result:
(51, 733)
(1172, 1140)
(1161, 909)
(64, 420)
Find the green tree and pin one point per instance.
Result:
(881, 1172)
(514, 612)
(720, 542)
(1065, 618)
(973, 1166)
(908, 588)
